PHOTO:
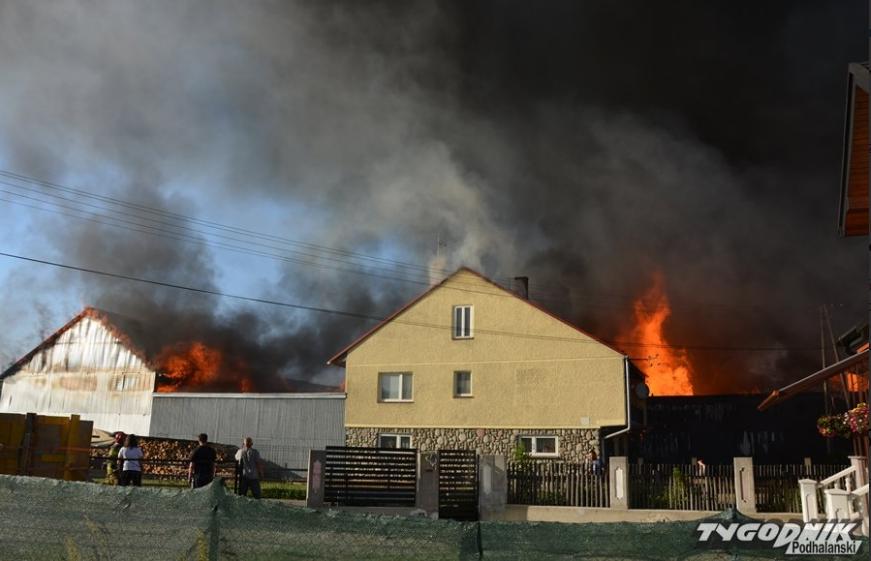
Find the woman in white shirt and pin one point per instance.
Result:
(131, 453)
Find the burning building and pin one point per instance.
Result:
(95, 366)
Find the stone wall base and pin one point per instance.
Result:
(575, 445)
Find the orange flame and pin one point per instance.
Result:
(197, 366)
(667, 370)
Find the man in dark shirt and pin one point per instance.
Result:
(202, 463)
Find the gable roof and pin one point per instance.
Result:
(339, 358)
(853, 207)
(127, 330)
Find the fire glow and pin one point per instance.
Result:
(196, 365)
(667, 370)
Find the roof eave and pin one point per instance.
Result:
(791, 390)
(857, 76)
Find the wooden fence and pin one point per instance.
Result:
(681, 486)
(557, 484)
(777, 484)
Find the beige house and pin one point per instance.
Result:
(469, 364)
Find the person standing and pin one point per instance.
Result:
(201, 470)
(595, 463)
(112, 471)
(131, 454)
(251, 468)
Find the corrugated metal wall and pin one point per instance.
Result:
(284, 426)
(87, 372)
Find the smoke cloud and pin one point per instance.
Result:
(584, 146)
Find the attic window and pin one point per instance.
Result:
(463, 318)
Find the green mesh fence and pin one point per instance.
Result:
(42, 519)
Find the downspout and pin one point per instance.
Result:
(628, 408)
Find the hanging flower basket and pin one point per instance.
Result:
(832, 426)
(857, 419)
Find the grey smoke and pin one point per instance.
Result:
(393, 126)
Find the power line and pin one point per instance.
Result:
(214, 225)
(338, 255)
(150, 230)
(369, 317)
(308, 260)
(180, 236)
(115, 222)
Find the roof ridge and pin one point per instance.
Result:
(92, 312)
(339, 357)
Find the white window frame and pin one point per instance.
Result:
(402, 376)
(471, 387)
(534, 452)
(459, 329)
(398, 438)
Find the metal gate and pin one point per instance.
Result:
(458, 484)
(370, 476)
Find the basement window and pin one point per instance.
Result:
(540, 446)
(395, 386)
(394, 441)
(462, 383)
(463, 318)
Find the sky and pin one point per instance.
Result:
(344, 156)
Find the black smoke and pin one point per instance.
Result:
(586, 145)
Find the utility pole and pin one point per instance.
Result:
(826, 405)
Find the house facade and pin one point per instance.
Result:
(471, 365)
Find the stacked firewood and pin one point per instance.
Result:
(168, 457)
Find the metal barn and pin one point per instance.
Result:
(94, 368)
(88, 367)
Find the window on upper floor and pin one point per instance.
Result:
(395, 386)
(462, 383)
(394, 441)
(464, 317)
(540, 446)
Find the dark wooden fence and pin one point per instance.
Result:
(777, 484)
(681, 487)
(370, 476)
(557, 484)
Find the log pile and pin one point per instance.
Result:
(169, 456)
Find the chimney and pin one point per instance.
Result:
(520, 285)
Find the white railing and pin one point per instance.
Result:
(836, 480)
(845, 493)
